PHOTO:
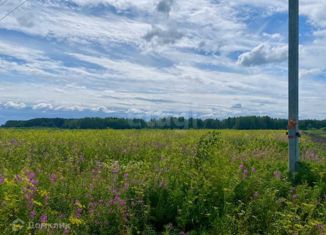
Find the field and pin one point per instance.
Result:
(159, 182)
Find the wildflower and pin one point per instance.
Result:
(53, 178)
(91, 208)
(18, 178)
(13, 142)
(79, 212)
(34, 182)
(320, 227)
(32, 214)
(254, 170)
(43, 219)
(277, 174)
(117, 201)
(126, 185)
(76, 221)
(294, 196)
(66, 231)
(122, 202)
(242, 166)
(31, 175)
(2, 179)
(116, 168)
(245, 172)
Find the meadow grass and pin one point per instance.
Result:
(159, 182)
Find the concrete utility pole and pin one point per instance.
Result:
(293, 126)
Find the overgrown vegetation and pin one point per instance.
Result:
(160, 182)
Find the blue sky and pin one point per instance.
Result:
(151, 58)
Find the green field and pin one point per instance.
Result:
(159, 182)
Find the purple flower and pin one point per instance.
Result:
(79, 212)
(294, 196)
(18, 178)
(254, 170)
(66, 231)
(245, 172)
(13, 142)
(43, 219)
(242, 166)
(34, 182)
(122, 202)
(91, 207)
(53, 178)
(277, 174)
(117, 201)
(31, 175)
(32, 214)
(2, 179)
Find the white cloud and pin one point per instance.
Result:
(42, 106)
(155, 57)
(15, 105)
(263, 54)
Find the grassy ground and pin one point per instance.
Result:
(159, 182)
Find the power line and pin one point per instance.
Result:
(13, 10)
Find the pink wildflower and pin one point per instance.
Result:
(34, 182)
(2, 179)
(277, 174)
(32, 214)
(53, 178)
(43, 218)
(79, 212)
(18, 178)
(31, 175)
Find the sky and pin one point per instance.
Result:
(154, 58)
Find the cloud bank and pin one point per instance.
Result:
(158, 57)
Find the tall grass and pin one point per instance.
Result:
(159, 182)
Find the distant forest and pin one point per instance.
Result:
(240, 123)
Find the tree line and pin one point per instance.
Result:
(240, 123)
